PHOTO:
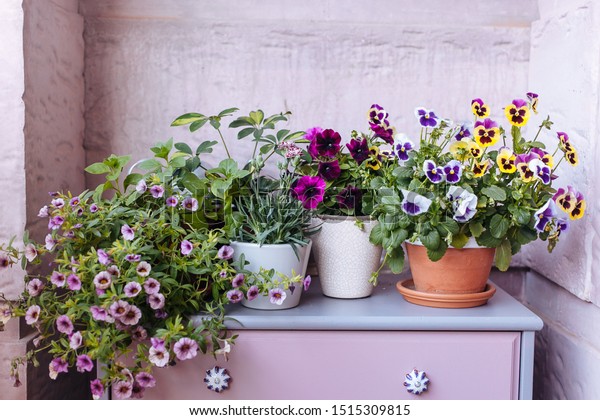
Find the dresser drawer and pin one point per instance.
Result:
(343, 365)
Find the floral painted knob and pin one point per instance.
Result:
(217, 379)
(416, 382)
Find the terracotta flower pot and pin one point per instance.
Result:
(463, 270)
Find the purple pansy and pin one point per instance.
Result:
(127, 232)
(329, 170)
(186, 247)
(453, 171)
(562, 225)
(350, 198)
(540, 170)
(377, 114)
(310, 190)
(359, 149)
(426, 117)
(544, 215)
(433, 172)
(414, 204)
(463, 131)
(402, 147)
(252, 292)
(328, 143)
(384, 131)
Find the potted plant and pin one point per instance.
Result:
(268, 228)
(335, 185)
(469, 196)
(125, 273)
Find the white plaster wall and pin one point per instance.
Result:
(148, 62)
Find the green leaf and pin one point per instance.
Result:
(150, 165)
(132, 179)
(245, 132)
(97, 168)
(431, 240)
(499, 226)
(438, 253)
(376, 235)
(476, 229)
(257, 116)
(241, 122)
(178, 162)
(486, 239)
(184, 147)
(186, 119)
(206, 147)
(227, 112)
(503, 255)
(520, 215)
(448, 226)
(214, 121)
(395, 260)
(459, 240)
(494, 192)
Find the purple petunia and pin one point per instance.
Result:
(118, 309)
(306, 282)
(185, 348)
(235, 296)
(55, 222)
(43, 212)
(186, 247)
(35, 287)
(145, 379)
(252, 292)
(50, 242)
(426, 117)
(225, 252)
(350, 198)
(190, 204)
(151, 286)
(329, 170)
(172, 201)
(133, 257)
(157, 191)
(143, 269)
(84, 363)
(57, 366)
(102, 280)
(58, 279)
(433, 172)
(158, 356)
(277, 296)
(132, 289)
(94, 208)
(139, 333)
(311, 133)
(327, 143)
(310, 190)
(141, 186)
(74, 282)
(75, 340)
(544, 215)
(122, 390)
(96, 388)
(359, 149)
(103, 257)
(127, 232)
(58, 203)
(156, 301)
(98, 313)
(132, 316)
(453, 171)
(238, 280)
(32, 315)
(64, 324)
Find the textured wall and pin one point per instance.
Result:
(148, 62)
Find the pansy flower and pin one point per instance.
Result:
(460, 150)
(562, 225)
(579, 210)
(374, 161)
(480, 168)
(486, 132)
(565, 199)
(427, 117)
(402, 146)
(543, 156)
(571, 154)
(377, 114)
(310, 190)
(522, 164)
(414, 204)
(453, 171)
(463, 132)
(540, 170)
(329, 170)
(517, 113)
(506, 160)
(544, 215)
(533, 100)
(463, 202)
(327, 143)
(433, 172)
(359, 149)
(562, 137)
(474, 149)
(480, 109)
(384, 131)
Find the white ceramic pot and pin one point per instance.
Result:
(345, 257)
(282, 259)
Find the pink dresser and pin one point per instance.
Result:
(362, 349)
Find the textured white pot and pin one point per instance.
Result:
(283, 260)
(345, 257)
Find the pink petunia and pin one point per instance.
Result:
(122, 390)
(158, 356)
(75, 340)
(185, 348)
(32, 315)
(186, 247)
(103, 257)
(58, 279)
(84, 363)
(145, 379)
(157, 191)
(50, 242)
(156, 301)
(127, 232)
(151, 286)
(252, 292)
(132, 289)
(102, 280)
(74, 282)
(118, 309)
(132, 316)
(98, 313)
(225, 252)
(30, 252)
(277, 296)
(235, 296)
(238, 280)
(97, 388)
(143, 269)
(307, 281)
(35, 287)
(57, 366)
(64, 324)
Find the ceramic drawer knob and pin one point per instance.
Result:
(416, 382)
(217, 379)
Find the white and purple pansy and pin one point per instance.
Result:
(545, 215)
(427, 117)
(453, 171)
(463, 202)
(433, 172)
(402, 146)
(540, 170)
(414, 204)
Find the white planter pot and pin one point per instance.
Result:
(345, 257)
(283, 260)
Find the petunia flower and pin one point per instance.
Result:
(132, 316)
(55, 222)
(103, 257)
(143, 269)
(533, 101)
(156, 301)
(171, 201)
(252, 292)
(402, 146)
(30, 252)
(75, 340)
(57, 365)
(74, 282)
(133, 258)
(32, 314)
(359, 149)
(186, 247)
(139, 333)
(329, 170)
(328, 143)
(517, 112)
(43, 212)
(540, 170)
(58, 203)
(414, 204)
(50, 242)
(127, 232)
(306, 282)
(185, 348)
(427, 117)
(97, 389)
(102, 280)
(463, 202)
(235, 296)
(310, 190)
(225, 252)
(311, 133)
(486, 132)
(158, 356)
(544, 215)
(122, 390)
(453, 171)
(145, 379)
(151, 286)
(350, 198)
(132, 289)
(84, 363)
(479, 108)
(35, 287)
(98, 313)
(190, 204)
(506, 160)
(64, 324)
(433, 172)
(238, 280)
(58, 279)
(118, 309)
(141, 186)
(277, 296)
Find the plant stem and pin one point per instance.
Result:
(224, 143)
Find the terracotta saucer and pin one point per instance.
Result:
(439, 300)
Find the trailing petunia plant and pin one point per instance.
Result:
(477, 183)
(336, 181)
(125, 274)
